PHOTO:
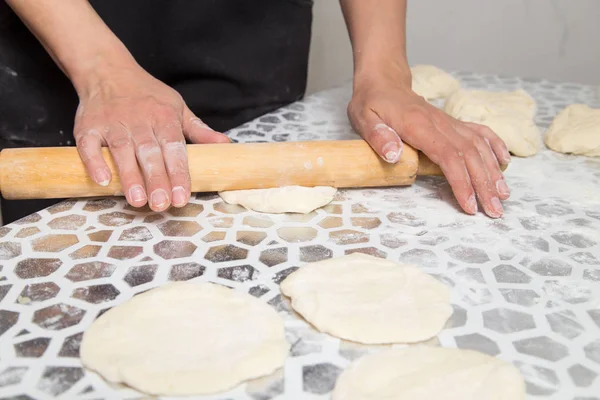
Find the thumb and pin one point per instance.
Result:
(382, 137)
(196, 131)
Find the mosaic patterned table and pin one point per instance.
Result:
(525, 288)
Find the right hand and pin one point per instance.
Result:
(144, 123)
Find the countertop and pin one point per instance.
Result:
(525, 288)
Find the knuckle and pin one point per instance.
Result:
(120, 142)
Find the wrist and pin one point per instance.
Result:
(382, 72)
(99, 68)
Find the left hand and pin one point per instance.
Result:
(387, 112)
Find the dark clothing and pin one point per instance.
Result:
(231, 60)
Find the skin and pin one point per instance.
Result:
(145, 123)
(386, 112)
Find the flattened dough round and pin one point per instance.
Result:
(432, 83)
(369, 300)
(186, 339)
(292, 199)
(576, 130)
(509, 114)
(421, 372)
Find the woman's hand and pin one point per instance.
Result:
(144, 123)
(387, 112)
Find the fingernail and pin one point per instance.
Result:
(502, 188)
(472, 205)
(506, 158)
(137, 194)
(497, 207)
(102, 177)
(179, 196)
(159, 198)
(391, 152)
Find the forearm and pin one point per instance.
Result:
(75, 37)
(377, 30)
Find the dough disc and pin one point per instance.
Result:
(293, 199)
(186, 339)
(420, 372)
(369, 300)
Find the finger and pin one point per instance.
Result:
(172, 143)
(489, 159)
(482, 182)
(122, 149)
(197, 131)
(89, 145)
(380, 136)
(497, 144)
(441, 151)
(150, 160)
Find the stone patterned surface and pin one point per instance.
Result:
(525, 288)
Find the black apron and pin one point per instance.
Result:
(231, 60)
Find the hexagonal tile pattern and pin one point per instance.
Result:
(37, 292)
(225, 253)
(524, 287)
(179, 228)
(478, 342)
(58, 316)
(68, 222)
(53, 243)
(140, 274)
(169, 249)
(37, 267)
(90, 270)
(96, 294)
(240, 273)
(186, 271)
(272, 257)
(507, 321)
(542, 347)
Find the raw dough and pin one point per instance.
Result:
(292, 199)
(509, 114)
(186, 339)
(576, 129)
(369, 300)
(432, 83)
(420, 372)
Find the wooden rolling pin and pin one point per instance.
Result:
(58, 172)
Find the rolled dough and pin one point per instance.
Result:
(369, 300)
(186, 339)
(292, 199)
(420, 372)
(509, 114)
(576, 129)
(432, 83)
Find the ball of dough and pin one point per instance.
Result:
(432, 83)
(420, 372)
(292, 199)
(509, 114)
(576, 129)
(369, 300)
(186, 339)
